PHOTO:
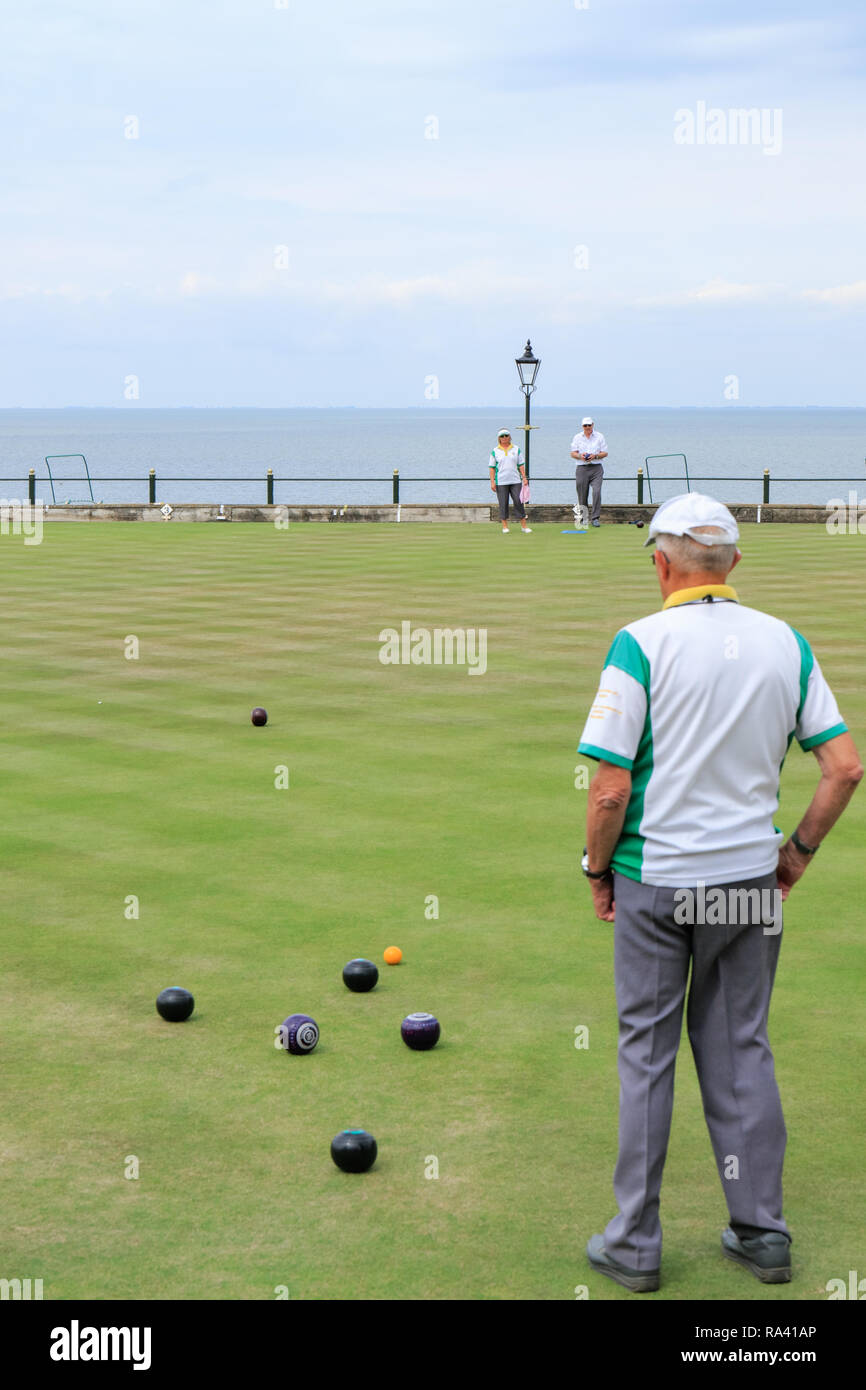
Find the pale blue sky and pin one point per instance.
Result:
(304, 127)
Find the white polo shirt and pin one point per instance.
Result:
(594, 445)
(701, 701)
(506, 463)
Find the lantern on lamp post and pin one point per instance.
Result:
(527, 370)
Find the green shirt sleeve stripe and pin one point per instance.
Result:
(807, 661)
(817, 739)
(627, 655)
(604, 754)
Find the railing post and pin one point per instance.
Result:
(766, 485)
(31, 486)
(396, 485)
(151, 485)
(640, 487)
(270, 487)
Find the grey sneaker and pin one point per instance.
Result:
(635, 1280)
(596, 523)
(767, 1256)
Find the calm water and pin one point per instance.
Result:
(735, 444)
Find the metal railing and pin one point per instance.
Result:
(640, 478)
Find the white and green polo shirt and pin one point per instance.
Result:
(506, 465)
(701, 701)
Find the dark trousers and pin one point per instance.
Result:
(586, 476)
(732, 972)
(512, 490)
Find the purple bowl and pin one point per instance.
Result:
(420, 1031)
(299, 1034)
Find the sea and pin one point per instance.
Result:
(347, 456)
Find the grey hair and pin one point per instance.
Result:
(690, 557)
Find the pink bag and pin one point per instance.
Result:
(524, 493)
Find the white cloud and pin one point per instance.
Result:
(73, 294)
(715, 291)
(723, 291)
(195, 284)
(839, 295)
(465, 285)
(469, 284)
(718, 291)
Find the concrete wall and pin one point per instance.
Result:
(563, 515)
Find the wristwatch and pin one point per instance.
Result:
(584, 864)
(804, 849)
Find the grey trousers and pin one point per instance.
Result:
(732, 972)
(586, 476)
(512, 490)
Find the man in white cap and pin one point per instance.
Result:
(589, 448)
(697, 706)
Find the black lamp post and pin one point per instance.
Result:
(527, 370)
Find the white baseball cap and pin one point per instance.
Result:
(680, 515)
(587, 420)
(502, 432)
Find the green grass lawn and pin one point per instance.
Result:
(145, 777)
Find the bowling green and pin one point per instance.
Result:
(153, 837)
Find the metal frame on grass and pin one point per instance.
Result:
(85, 479)
(665, 456)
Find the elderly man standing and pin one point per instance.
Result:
(697, 706)
(589, 448)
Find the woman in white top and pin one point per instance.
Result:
(507, 473)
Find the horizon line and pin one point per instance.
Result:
(430, 409)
